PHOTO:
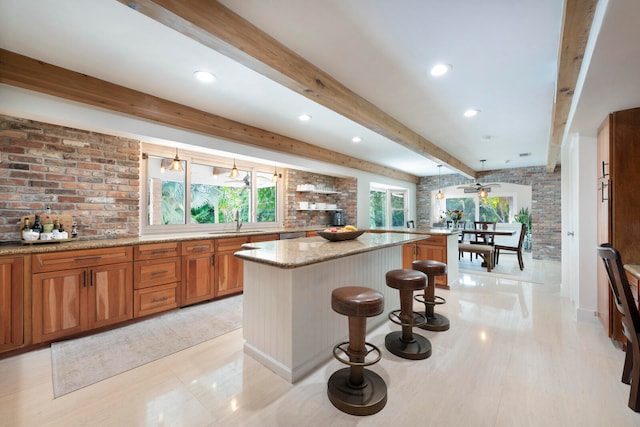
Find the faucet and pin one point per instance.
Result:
(238, 221)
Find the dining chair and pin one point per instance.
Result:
(480, 239)
(625, 304)
(517, 249)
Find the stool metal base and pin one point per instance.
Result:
(366, 400)
(436, 323)
(418, 348)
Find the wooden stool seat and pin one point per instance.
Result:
(435, 321)
(357, 301)
(404, 279)
(430, 267)
(356, 390)
(405, 343)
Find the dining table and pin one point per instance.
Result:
(487, 233)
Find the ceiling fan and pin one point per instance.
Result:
(477, 187)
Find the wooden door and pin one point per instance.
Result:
(229, 269)
(229, 274)
(435, 253)
(198, 278)
(11, 300)
(408, 255)
(59, 304)
(110, 295)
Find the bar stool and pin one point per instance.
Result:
(356, 390)
(435, 321)
(405, 343)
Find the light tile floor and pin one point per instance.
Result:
(514, 356)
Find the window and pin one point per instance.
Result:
(387, 207)
(213, 197)
(495, 209)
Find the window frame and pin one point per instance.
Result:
(189, 158)
(389, 190)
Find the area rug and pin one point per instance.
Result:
(84, 361)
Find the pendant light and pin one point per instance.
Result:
(274, 178)
(176, 165)
(440, 194)
(234, 171)
(483, 192)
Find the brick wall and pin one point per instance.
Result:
(545, 209)
(346, 199)
(91, 176)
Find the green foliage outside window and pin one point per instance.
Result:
(172, 202)
(377, 208)
(495, 209)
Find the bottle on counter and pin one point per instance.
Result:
(74, 230)
(37, 225)
(27, 226)
(56, 225)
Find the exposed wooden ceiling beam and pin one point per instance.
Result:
(28, 73)
(217, 27)
(577, 20)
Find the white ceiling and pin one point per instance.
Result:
(504, 56)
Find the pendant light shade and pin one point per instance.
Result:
(234, 171)
(482, 193)
(176, 165)
(439, 194)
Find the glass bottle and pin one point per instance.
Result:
(56, 225)
(37, 226)
(27, 226)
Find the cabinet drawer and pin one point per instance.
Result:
(156, 250)
(434, 240)
(197, 247)
(81, 258)
(155, 299)
(156, 272)
(264, 238)
(231, 244)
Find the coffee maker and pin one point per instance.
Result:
(337, 218)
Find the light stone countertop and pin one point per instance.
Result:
(312, 250)
(633, 269)
(84, 243)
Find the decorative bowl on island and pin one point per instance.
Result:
(338, 236)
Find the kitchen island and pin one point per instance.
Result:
(288, 323)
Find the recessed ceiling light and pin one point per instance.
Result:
(471, 112)
(204, 76)
(440, 69)
(304, 117)
(356, 139)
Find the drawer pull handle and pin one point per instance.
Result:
(88, 258)
(199, 248)
(160, 251)
(159, 299)
(160, 272)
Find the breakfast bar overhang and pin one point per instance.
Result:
(288, 323)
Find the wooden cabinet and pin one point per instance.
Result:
(157, 276)
(229, 269)
(264, 237)
(618, 203)
(198, 271)
(11, 303)
(438, 247)
(96, 292)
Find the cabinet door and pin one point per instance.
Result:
(198, 278)
(59, 304)
(110, 295)
(229, 269)
(229, 274)
(408, 255)
(435, 253)
(11, 299)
